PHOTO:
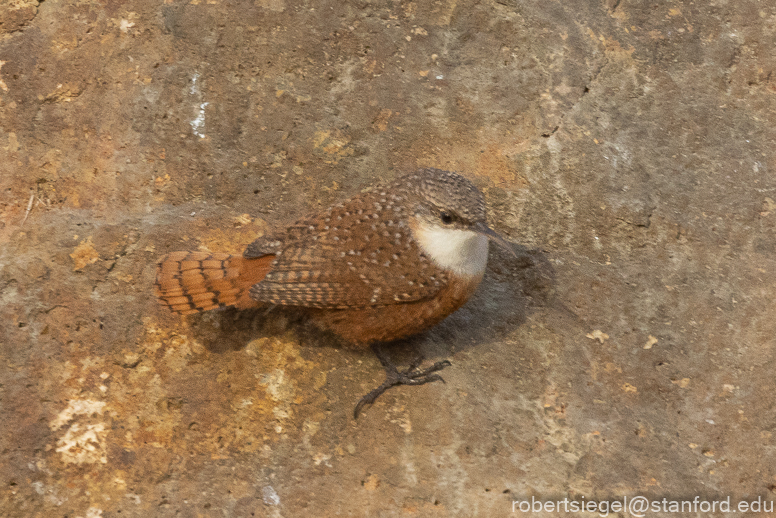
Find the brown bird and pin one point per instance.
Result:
(382, 266)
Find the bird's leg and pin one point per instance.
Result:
(393, 377)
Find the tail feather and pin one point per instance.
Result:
(190, 282)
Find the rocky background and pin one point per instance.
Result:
(624, 146)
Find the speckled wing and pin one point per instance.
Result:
(355, 255)
(265, 245)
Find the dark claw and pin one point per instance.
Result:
(393, 377)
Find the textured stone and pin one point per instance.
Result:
(626, 146)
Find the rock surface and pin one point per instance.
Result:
(626, 147)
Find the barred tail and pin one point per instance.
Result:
(189, 282)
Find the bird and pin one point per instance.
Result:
(384, 265)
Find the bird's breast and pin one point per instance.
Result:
(462, 252)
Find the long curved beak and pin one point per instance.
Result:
(485, 230)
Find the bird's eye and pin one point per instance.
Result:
(446, 218)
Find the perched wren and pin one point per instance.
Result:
(382, 266)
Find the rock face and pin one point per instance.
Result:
(627, 147)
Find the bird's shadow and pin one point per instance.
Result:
(230, 329)
(512, 287)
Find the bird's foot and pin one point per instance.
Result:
(394, 377)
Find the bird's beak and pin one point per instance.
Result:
(485, 230)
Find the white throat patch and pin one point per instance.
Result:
(462, 251)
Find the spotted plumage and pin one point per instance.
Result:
(385, 264)
(354, 255)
